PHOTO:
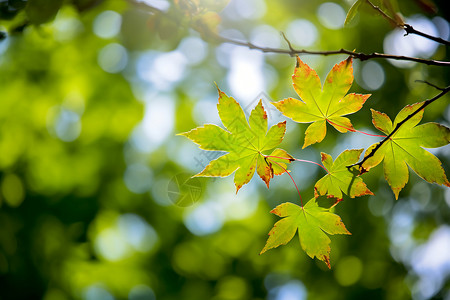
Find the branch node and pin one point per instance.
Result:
(293, 52)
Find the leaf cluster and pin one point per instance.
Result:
(247, 143)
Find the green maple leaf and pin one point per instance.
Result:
(404, 148)
(244, 141)
(321, 105)
(312, 223)
(341, 179)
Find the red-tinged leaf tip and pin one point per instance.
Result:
(326, 259)
(275, 211)
(334, 197)
(323, 156)
(281, 124)
(260, 104)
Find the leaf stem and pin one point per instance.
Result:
(300, 160)
(354, 130)
(286, 171)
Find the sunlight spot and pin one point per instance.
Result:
(431, 261)
(265, 36)
(113, 58)
(331, 15)
(96, 292)
(141, 292)
(205, 110)
(204, 219)
(292, 290)
(66, 28)
(63, 123)
(194, 49)
(159, 4)
(245, 76)
(411, 45)
(156, 125)
(161, 69)
(442, 26)
(302, 33)
(110, 244)
(372, 75)
(137, 232)
(138, 178)
(250, 9)
(107, 24)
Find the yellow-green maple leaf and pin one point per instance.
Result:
(341, 179)
(312, 223)
(405, 148)
(244, 141)
(321, 105)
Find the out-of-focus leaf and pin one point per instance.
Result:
(353, 11)
(42, 11)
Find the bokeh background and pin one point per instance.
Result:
(93, 203)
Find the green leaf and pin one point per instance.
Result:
(320, 105)
(312, 223)
(352, 11)
(42, 11)
(405, 148)
(340, 179)
(244, 141)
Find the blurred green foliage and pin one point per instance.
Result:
(92, 94)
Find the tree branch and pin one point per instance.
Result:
(407, 27)
(358, 55)
(291, 51)
(410, 30)
(378, 146)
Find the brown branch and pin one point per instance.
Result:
(397, 127)
(292, 52)
(410, 30)
(358, 55)
(407, 27)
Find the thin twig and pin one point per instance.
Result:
(288, 42)
(292, 52)
(407, 27)
(378, 146)
(410, 30)
(430, 84)
(384, 15)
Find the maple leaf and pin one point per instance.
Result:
(404, 148)
(312, 223)
(244, 141)
(341, 179)
(321, 105)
